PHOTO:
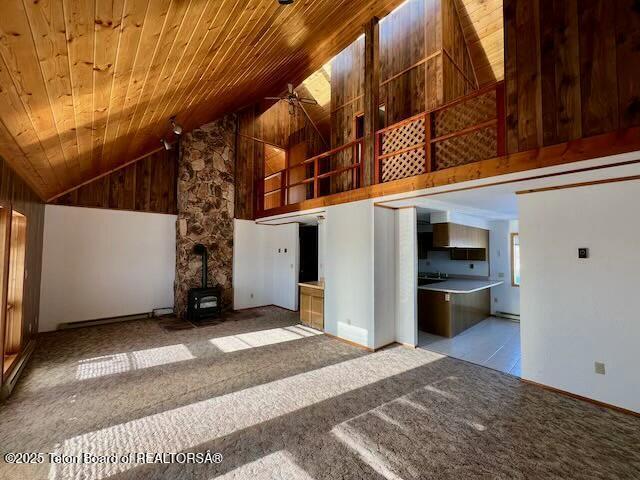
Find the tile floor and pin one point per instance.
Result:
(493, 343)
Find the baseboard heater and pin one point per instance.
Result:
(508, 316)
(104, 321)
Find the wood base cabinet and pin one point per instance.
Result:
(312, 307)
(448, 314)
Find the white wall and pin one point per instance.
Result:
(504, 298)
(263, 273)
(249, 280)
(575, 312)
(105, 263)
(385, 256)
(283, 264)
(407, 277)
(349, 279)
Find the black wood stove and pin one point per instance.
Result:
(204, 302)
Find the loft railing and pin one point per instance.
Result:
(334, 171)
(467, 130)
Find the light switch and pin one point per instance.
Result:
(599, 368)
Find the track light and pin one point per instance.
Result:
(165, 144)
(177, 128)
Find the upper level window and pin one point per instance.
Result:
(515, 259)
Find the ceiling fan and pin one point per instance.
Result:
(293, 99)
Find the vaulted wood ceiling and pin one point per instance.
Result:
(483, 26)
(88, 85)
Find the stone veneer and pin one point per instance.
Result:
(205, 209)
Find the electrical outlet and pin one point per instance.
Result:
(471, 266)
(495, 299)
(599, 368)
(252, 295)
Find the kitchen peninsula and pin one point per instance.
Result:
(447, 307)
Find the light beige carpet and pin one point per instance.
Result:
(279, 401)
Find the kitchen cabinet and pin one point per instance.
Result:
(448, 314)
(312, 304)
(472, 254)
(454, 235)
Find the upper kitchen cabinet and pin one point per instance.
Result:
(453, 235)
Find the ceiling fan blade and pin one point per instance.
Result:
(290, 88)
(308, 101)
(273, 98)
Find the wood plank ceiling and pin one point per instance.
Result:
(87, 85)
(483, 26)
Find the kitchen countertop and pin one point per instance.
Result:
(317, 284)
(461, 285)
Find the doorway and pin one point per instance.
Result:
(13, 244)
(308, 253)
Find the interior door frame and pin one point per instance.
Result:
(6, 212)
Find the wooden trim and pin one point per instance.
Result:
(408, 69)
(581, 184)
(338, 171)
(401, 123)
(465, 131)
(6, 214)
(612, 143)
(476, 93)
(455, 64)
(333, 151)
(109, 172)
(512, 262)
(249, 137)
(349, 342)
(402, 150)
(16, 370)
(340, 107)
(575, 396)
(274, 174)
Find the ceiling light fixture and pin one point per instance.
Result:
(176, 127)
(165, 144)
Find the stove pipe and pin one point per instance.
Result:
(200, 249)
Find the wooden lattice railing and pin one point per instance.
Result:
(466, 130)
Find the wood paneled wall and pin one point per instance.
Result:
(406, 51)
(267, 123)
(14, 192)
(147, 185)
(571, 69)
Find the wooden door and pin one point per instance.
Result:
(13, 334)
(5, 224)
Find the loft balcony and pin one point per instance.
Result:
(467, 130)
